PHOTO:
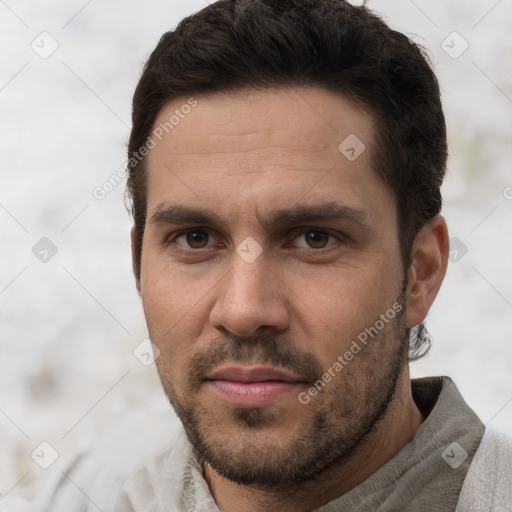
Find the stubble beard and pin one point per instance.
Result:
(331, 427)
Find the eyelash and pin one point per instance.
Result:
(172, 239)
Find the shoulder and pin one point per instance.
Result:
(488, 484)
(157, 481)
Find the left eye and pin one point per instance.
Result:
(315, 239)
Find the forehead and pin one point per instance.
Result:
(260, 147)
(309, 119)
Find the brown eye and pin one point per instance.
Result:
(316, 239)
(197, 239)
(194, 239)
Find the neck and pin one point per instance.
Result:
(393, 432)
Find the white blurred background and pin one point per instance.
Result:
(69, 324)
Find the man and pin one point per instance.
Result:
(286, 159)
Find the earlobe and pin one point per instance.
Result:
(428, 268)
(134, 260)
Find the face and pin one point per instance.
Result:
(271, 280)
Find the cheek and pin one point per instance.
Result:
(176, 306)
(168, 292)
(334, 308)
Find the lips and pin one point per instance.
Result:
(251, 387)
(255, 374)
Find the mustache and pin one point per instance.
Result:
(262, 349)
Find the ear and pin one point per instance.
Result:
(427, 270)
(134, 260)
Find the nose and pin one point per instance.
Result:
(251, 296)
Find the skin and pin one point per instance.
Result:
(298, 306)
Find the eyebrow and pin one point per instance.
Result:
(301, 214)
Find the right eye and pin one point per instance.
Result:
(192, 239)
